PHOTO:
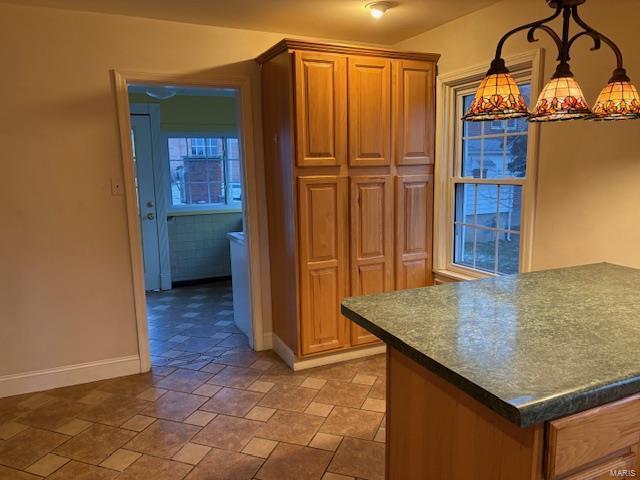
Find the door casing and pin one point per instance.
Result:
(253, 209)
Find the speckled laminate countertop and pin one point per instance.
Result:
(532, 347)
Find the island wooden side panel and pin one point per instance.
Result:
(435, 431)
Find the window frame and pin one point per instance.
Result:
(525, 67)
(209, 208)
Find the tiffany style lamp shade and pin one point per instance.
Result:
(498, 97)
(561, 99)
(617, 101)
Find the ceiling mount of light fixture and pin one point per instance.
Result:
(498, 96)
(379, 8)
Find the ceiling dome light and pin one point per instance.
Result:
(161, 93)
(378, 9)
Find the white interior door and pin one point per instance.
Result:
(147, 204)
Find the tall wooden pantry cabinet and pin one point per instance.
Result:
(349, 152)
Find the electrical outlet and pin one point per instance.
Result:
(116, 187)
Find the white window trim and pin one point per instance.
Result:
(528, 65)
(176, 211)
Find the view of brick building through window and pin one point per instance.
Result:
(204, 170)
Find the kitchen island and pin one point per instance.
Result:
(531, 376)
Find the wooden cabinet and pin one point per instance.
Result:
(323, 267)
(414, 234)
(369, 94)
(589, 444)
(321, 87)
(371, 203)
(414, 120)
(348, 137)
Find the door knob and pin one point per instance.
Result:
(150, 204)
(150, 216)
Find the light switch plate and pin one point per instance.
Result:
(116, 187)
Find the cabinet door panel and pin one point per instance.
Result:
(371, 241)
(414, 231)
(369, 111)
(415, 112)
(321, 111)
(323, 257)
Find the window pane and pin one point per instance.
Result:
(471, 129)
(510, 207)
(466, 203)
(471, 158)
(516, 156)
(492, 157)
(463, 245)
(487, 206)
(509, 253)
(486, 250)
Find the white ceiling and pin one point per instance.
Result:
(335, 19)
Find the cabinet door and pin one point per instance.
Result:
(371, 242)
(321, 111)
(414, 231)
(414, 112)
(369, 111)
(323, 262)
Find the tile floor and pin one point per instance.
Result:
(211, 409)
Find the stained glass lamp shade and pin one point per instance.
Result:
(498, 97)
(561, 99)
(617, 101)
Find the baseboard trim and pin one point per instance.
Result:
(267, 341)
(296, 363)
(68, 375)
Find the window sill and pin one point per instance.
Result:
(458, 276)
(204, 211)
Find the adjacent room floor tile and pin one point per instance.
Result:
(260, 386)
(335, 476)
(120, 459)
(47, 465)
(225, 465)
(207, 389)
(292, 462)
(152, 394)
(12, 474)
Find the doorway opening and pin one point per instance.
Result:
(188, 152)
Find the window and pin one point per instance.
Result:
(204, 171)
(488, 183)
(484, 199)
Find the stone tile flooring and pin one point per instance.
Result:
(211, 409)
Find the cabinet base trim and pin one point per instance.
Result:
(296, 363)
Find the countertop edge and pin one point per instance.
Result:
(525, 416)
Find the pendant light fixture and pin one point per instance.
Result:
(498, 96)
